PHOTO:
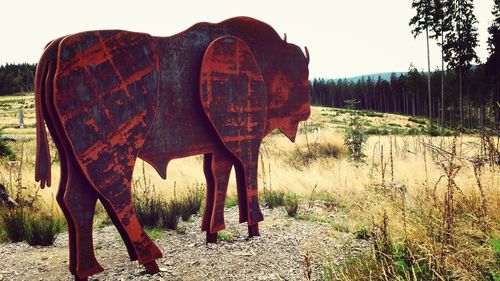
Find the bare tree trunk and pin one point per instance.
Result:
(429, 77)
(442, 79)
(460, 91)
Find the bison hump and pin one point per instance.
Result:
(233, 94)
(105, 94)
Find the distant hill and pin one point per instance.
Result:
(373, 76)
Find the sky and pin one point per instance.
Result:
(345, 37)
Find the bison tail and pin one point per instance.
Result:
(42, 162)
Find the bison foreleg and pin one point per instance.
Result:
(117, 196)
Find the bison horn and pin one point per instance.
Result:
(284, 39)
(307, 55)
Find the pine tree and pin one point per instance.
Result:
(493, 63)
(423, 20)
(441, 25)
(460, 41)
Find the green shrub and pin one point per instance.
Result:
(26, 225)
(301, 157)
(340, 227)
(273, 198)
(5, 150)
(355, 136)
(154, 233)
(149, 209)
(378, 131)
(42, 230)
(191, 203)
(13, 224)
(291, 204)
(369, 113)
(225, 236)
(362, 233)
(171, 214)
(417, 120)
(231, 201)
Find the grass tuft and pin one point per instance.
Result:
(273, 198)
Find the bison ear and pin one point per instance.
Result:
(307, 55)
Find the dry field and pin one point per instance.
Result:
(434, 201)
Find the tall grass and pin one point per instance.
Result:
(440, 229)
(154, 210)
(28, 219)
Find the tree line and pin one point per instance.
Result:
(16, 78)
(407, 94)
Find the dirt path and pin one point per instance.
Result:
(278, 254)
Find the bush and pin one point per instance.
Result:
(13, 224)
(25, 225)
(273, 198)
(42, 231)
(171, 214)
(417, 120)
(5, 150)
(378, 131)
(291, 204)
(355, 139)
(301, 157)
(149, 209)
(362, 233)
(191, 203)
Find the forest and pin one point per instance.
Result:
(16, 78)
(407, 94)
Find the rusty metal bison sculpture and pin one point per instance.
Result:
(109, 97)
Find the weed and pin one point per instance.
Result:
(362, 233)
(308, 266)
(154, 233)
(225, 236)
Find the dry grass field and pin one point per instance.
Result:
(430, 205)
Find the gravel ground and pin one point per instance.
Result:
(278, 254)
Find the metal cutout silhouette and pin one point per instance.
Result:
(108, 97)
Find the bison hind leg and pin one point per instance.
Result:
(217, 168)
(80, 200)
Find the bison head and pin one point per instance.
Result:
(288, 90)
(285, 71)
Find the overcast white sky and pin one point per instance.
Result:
(345, 37)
